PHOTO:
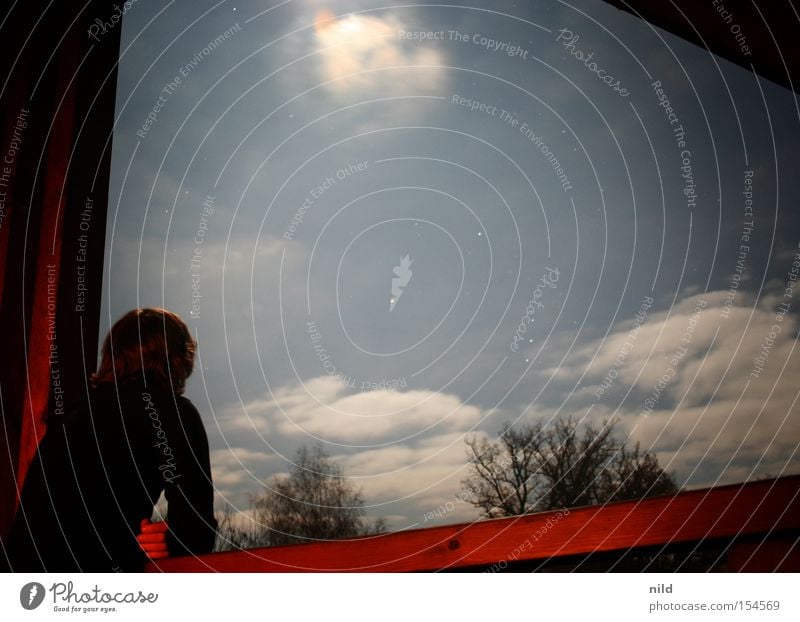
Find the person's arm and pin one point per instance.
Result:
(188, 488)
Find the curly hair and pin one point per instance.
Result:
(149, 345)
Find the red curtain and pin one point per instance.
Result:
(57, 105)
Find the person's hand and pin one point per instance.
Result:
(152, 539)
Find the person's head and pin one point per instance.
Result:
(151, 344)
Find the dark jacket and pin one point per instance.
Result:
(99, 471)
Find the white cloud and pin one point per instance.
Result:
(325, 407)
(426, 475)
(234, 468)
(718, 418)
(415, 475)
(353, 44)
(417, 460)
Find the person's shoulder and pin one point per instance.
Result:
(186, 405)
(188, 411)
(191, 422)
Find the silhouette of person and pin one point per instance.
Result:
(101, 467)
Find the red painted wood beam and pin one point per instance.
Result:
(768, 508)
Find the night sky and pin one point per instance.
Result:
(392, 226)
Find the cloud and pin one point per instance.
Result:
(708, 387)
(424, 476)
(326, 407)
(352, 44)
(407, 478)
(714, 421)
(236, 467)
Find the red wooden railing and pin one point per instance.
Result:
(756, 525)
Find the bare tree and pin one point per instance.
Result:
(314, 502)
(536, 468)
(237, 530)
